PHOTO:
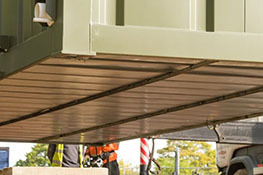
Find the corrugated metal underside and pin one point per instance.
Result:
(110, 97)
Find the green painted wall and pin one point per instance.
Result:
(16, 20)
(28, 50)
(30, 28)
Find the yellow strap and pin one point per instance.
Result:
(58, 156)
(80, 155)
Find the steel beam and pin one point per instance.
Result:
(138, 69)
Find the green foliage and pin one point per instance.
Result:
(192, 155)
(127, 169)
(37, 157)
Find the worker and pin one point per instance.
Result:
(107, 154)
(65, 155)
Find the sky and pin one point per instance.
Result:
(129, 151)
(17, 151)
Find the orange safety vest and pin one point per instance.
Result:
(95, 151)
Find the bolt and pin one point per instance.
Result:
(3, 49)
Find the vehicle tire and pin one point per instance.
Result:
(241, 172)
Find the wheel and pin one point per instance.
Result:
(241, 172)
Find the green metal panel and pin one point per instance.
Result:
(189, 14)
(120, 12)
(1, 16)
(210, 5)
(229, 15)
(30, 28)
(254, 16)
(9, 20)
(25, 54)
(35, 48)
(17, 20)
(57, 34)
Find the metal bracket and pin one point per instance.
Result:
(50, 7)
(4, 43)
(218, 133)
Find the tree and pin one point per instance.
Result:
(192, 155)
(127, 169)
(37, 157)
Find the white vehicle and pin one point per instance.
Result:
(239, 145)
(235, 159)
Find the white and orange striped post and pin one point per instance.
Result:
(144, 156)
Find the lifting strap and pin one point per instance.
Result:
(58, 156)
(152, 159)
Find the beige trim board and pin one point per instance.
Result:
(162, 42)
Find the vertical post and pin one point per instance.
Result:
(210, 5)
(120, 12)
(104, 11)
(176, 163)
(20, 21)
(144, 156)
(197, 10)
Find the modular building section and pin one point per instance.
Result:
(103, 73)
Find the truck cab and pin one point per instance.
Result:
(241, 157)
(239, 144)
(238, 159)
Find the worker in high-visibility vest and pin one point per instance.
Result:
(65, 155)
(107, 154)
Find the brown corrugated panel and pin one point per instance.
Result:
(104, 98)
